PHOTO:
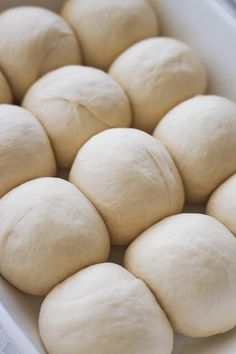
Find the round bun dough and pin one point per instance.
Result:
(25, 151)
(49, 230)
(130, 178)
(222, 204)
(104, 309)
(200, 135)
(35, 41)
(73, 104)
(106, 28)
(157, 74)
(5, 91)
(189, 263)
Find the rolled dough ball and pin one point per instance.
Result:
(130, 178)
(49, 230)
(103, 309)
(157, 74)
(73, 104)
(34, 41)
(25, 151)
(106, 28)
(222, 204)
(5, 91)
(200, 135)
(189, 263)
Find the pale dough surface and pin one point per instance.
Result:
(48, 231)
(106, 28)
(200, 135)
(5, 91)
(189, 263)
(157, 74)
(34, 41)
(130, 178)
(103, 309)
(25, 151)
(222, 204)
(73, 104)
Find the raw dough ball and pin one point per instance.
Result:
(130, 178)
(106, 28)
(73, 104)
(200, 135)
(222, 204)
(49, 230)
(5, 91)
(189, 263)
(103, 309)
(25, 151)
(157, 74)
(34, 41)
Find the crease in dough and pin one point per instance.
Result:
(164, 178)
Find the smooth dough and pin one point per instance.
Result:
(106, 28)
(48, 231)
(25, 151)
(222, 204)
(34, 41)
(130, 178)
(104, 309)
(189, 263)
(157, 74)
(200, 135)
(73, 104)
(5, 91)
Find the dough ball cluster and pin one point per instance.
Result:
(200, 135)
(25, 151)
(126, 187)
(74, 103)
(157, 74)
(130, 178)
(49, 230)
(34, 41)
(189, 263)
(106, 28)
(85, 314)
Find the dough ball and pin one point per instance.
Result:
(5, 91)
(34, 41)
(103, 309)
(222, 204)
(189, 263)
(130, 178)
(49, 230)
(106, 28)
(200, 135)
(73, 104)
(157, 74)
(25, 151)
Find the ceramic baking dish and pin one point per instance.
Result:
(209, 26)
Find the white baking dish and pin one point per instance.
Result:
(209, 26)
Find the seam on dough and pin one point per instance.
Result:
(162, 175)
(77, 103)
(8, 234)
(93, 114)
